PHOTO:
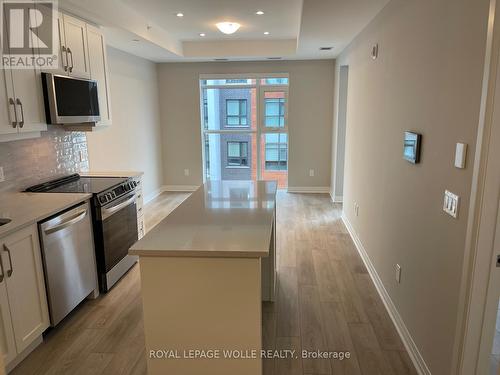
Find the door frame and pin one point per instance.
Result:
(483, 213)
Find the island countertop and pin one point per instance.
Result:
(220, 219)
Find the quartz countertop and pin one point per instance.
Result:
(220, 219)
(29, 208)
(112, 173)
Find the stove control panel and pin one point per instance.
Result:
(116, 192)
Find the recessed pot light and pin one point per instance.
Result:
(228, 27)
(325, 48)
(202, 34)
(180, 14)
(136, 40)
(259, 12)
(266, 32)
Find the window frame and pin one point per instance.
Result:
(259, 129)
(242, 103)
(262, 110)
(276, 146)
(240, 157)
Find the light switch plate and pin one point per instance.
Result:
(460, 155)
(2, 176)
(311, 172)
(451, 204)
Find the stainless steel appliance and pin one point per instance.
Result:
(114, 219)
(70, 100)
(69, 260)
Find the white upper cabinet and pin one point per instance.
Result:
(27, 91)
(8, 124)
(23, 98)
(74, 47)
(99, 71)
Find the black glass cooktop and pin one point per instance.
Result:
(78, 184)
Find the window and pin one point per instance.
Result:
(205, 113)
(274, 81)
(237, 154)
(236, 112)
(276, 152)
(274, 112)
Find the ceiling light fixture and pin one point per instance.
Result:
(259, 12)
(228, 27)
(202, 34)
(136, 40)
(266, 32)
(180, 14)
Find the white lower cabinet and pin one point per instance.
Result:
(22, 292)
(7, 341)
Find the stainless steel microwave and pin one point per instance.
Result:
(70, 100)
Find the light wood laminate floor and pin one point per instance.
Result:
(326, 301)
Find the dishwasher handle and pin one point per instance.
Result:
(79, 216)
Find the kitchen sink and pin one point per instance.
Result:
(4, 221)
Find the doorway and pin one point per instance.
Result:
(244, 124)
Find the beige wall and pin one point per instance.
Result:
(428, 79)
(310, 117)
(133, 142)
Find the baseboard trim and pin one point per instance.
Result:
(153, 195)
(186, 188)
(309, 189)
(405, 335)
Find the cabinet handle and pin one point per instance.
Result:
(13, 104)
(70, 53)
(63, 53)
(20, 104)
(9, 272)
(1, 269)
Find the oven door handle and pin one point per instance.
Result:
(75, 219)
(106, 212)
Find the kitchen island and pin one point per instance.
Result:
(205, 270)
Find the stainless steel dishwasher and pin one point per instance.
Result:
(69, 260)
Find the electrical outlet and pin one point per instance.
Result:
(186, 172)
(2, 176)
(311, 172)
(82, 156)
(398, 273)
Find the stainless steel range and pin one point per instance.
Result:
(114, 220)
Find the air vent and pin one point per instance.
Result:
(325, 48)
(221, 59)
(274, 58)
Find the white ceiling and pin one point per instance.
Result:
(281, 18)
(297, 28)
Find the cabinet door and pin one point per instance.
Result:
(29, 100)
(75, 36)
(7, 343)
(25, 286)
(28, 96)
(99, 71)
(8, 124)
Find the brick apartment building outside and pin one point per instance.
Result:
(230, 109)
